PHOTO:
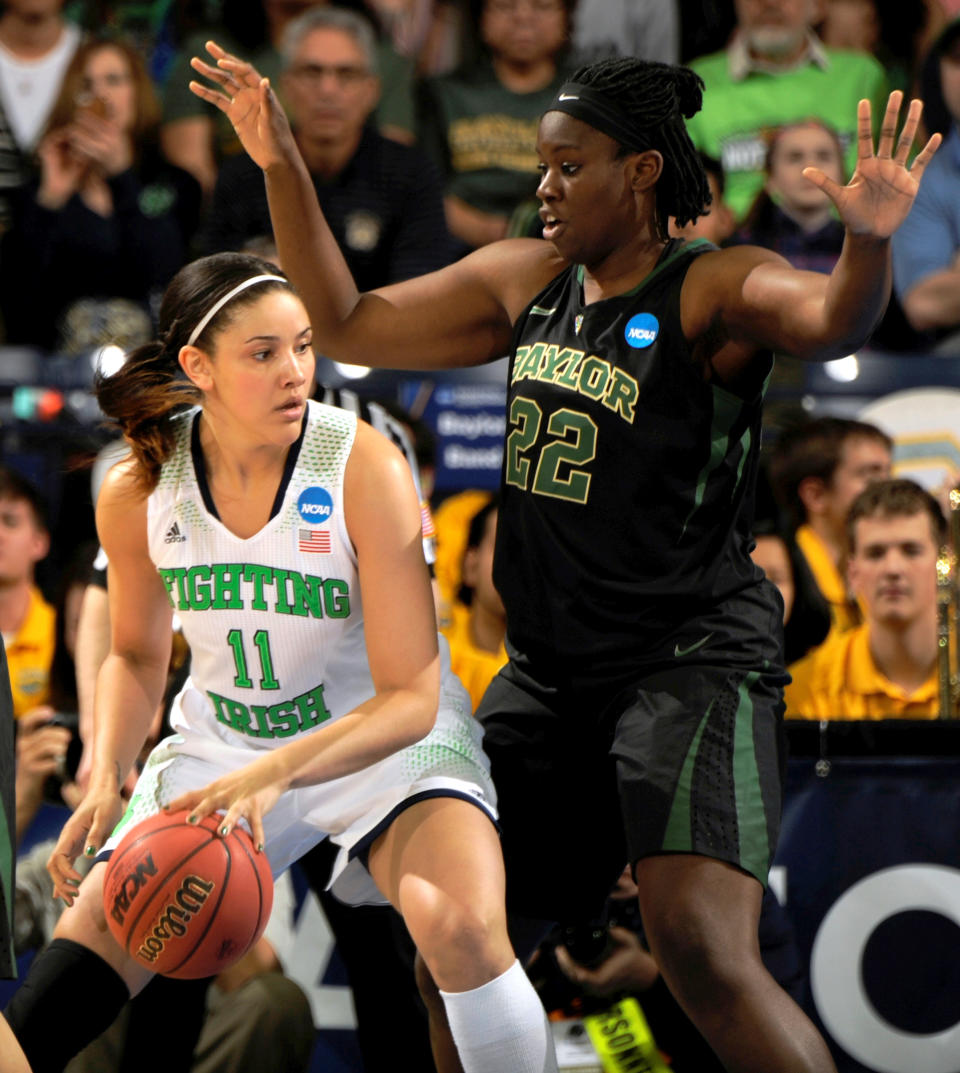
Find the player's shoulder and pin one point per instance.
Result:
(377, 472)
(530, 262)
(125, 484)
(122, 507)
(728, 266)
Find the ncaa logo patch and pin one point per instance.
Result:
(641, 330)
(315, 505)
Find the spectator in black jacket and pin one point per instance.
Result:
(383, 200)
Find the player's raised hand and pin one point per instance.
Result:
(880, 194)
(247, 100)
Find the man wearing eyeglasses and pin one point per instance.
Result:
(383, 200)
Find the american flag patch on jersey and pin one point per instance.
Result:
(427, 526)
(313, 540)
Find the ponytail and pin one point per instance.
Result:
(141, 397)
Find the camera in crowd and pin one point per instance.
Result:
(71, 761)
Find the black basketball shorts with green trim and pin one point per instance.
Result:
(689, 758)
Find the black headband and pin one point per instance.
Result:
(600, 112)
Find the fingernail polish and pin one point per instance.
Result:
(259, 847)
(192, 819)
(90, 850)
(224, 830)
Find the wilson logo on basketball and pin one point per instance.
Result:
(130, 885)
(175, 918)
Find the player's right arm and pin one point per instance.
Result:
(457, 316)
(131, 681)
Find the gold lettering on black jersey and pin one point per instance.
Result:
(588, 375)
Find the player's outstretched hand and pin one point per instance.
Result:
(248, 794)
(879, 195)
(85, 832)
(247, 100)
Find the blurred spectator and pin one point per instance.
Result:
(198, 137)
(704, 28)
(48, 739)
(429, 32)
(772, 555)
(937, 14)
(851, 24)
(452, 522)
(71, 586)
(647, 29)
(480, 123)
(776, 71)
(886, 29)
(716, 223)
(791, 215)
(806, 613)
(27, 621)
(817, 469)
(886, 668)
(153, 27)
(36, 44)
(382, 199)
(42, 746)
(109, 221)
(478, 620)
(926, 273)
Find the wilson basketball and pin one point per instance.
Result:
(184, 901)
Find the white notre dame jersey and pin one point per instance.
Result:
(275, 628)
(275, 621)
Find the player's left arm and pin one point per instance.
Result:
(383, 520)
(763, 302)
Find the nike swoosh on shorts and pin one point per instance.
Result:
(679, 652)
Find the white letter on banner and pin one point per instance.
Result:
(835, 976)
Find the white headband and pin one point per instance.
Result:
(217, 306)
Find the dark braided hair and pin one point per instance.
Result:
(659, 96)
(150, 387)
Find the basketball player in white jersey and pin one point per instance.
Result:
(285, 535)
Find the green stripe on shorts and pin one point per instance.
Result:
(753, 842)
(677, 834)
(751, 814)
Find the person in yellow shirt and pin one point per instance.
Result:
(27, 621)
(478, 621)
(885, 668)
(817, 470)
(451, 520)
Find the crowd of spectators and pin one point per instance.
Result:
(417, 120)
(113, 174)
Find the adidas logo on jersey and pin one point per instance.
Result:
(173, 535)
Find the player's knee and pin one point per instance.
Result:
(702, 967)
(460, 945)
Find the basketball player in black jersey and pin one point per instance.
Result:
(639, 716)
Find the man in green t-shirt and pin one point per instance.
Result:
(775, 71)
